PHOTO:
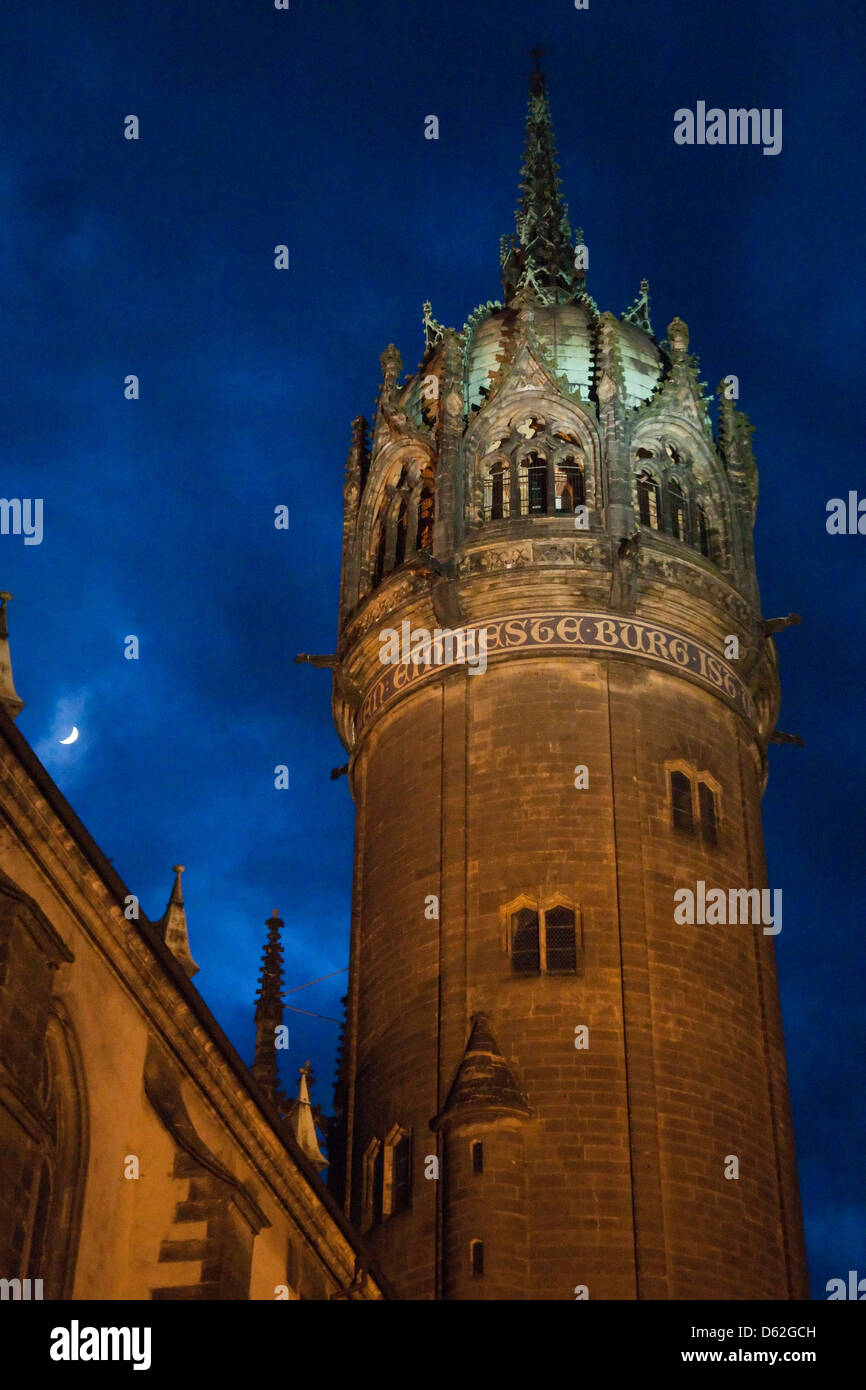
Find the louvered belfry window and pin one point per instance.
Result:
(524, 942)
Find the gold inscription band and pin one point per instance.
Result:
(597, 632)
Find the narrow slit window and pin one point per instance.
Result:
(477, 1156)
(707, 805)
(681, 801)
(378, 1182)
(379, 565)
(524, 942)
(402, 1175)
(559, 939)
(400, 547)
(477, 1248)
(703, 532)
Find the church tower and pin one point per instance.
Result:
(557, 690)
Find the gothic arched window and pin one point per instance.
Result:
(570, 489)
(707, 808)
(559, 939)
(381, 533)
(401, 1174)
(703, 531)
(681, 802)
(51, 1213)
(400, 534)
(648, 500)
(497, 492)
(533, 485)
(677, 510)
(525, 958)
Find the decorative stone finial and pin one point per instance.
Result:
(678, 335)
(9, 696)
(392, 365)
(173, 928)
(301, 1121)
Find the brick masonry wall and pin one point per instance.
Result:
(466, 790)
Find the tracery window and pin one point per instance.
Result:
(707, 808)
(52, 1206)
(533, 485)
(703, 531)
(544, 941)
(569, 483)
(559, 940)
(677, 509)
(525, 954)
(400, 537)
(694, 804)
(497, 492)
(648, 499)
(381, 533)
(681, 802)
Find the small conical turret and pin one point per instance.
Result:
(484, 1080)
(173, 928)
(301, 1121)
(9, 696)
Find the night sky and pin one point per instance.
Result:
(156, 257)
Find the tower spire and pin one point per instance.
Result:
(541, 256)
(269, 1013)
(9, 696)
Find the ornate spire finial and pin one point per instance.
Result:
(9, 696)
(302, 1120)
(269, 1013)
(541, 258)
(177, 890)
(173, 928)
(638, 311)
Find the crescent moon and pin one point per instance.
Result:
(72, 737)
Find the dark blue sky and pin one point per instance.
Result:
(305, 127)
